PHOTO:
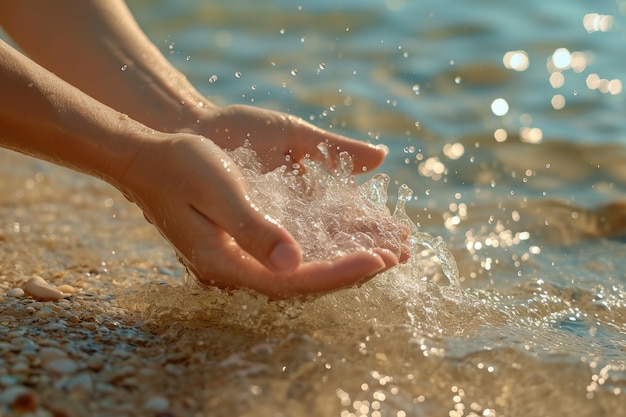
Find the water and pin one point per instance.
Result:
(520, 170)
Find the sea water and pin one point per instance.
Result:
(506, 119)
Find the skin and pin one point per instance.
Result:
(151, 134)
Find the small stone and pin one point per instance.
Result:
(66, 289)
(172, 369)
(61, 366)
(16, 292)
(156, 403)
(25, 344)
(104, 388)
(19, 367)
(81, 382)
(41, 290)
(116, 374)
(95, 363)
(7, 347)
(29, 350)
(89, 325)
(19, 398)
(55, 326)
(48, 354)
(8, 380)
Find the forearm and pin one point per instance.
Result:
(45, 117)
(97, 46)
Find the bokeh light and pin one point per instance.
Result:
(500, 107)
(594, 22)
(516, 60)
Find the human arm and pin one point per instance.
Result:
(88, 42)
(185, 185)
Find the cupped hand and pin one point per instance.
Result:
(194, 194)
(275, 135)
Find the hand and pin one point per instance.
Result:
(193, 193)
(274, 135)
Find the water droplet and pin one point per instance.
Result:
(322, 66)
(416, 89)
(213, 78)
(124, 67)
(282, 31)
(294, 72)
(323, 148)
(188, 57)
(253, 86)
(333, 107)
(238, 74)
(375, 190)
(457, 80)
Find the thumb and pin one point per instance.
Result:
(264, 239)
(226, 204)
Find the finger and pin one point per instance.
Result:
(389, 258)
(326, 276)
(226, 204)
(323, 276)
(266, 240)
(258, 234)
(365, 156)
(221, 262)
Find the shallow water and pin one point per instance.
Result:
(531, 203)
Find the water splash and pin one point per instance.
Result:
(330, 216)
(436, 244)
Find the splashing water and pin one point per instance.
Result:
(320, 204)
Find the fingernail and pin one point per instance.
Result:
(285, 257)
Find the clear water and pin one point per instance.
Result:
(526, 191)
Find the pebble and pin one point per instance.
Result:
(55, 326)
(95, 363)
(48, 354)
(81, 382)
(118, 373)
(89, 326)
(41, 290)
(61, 366)
(19, 398)
(16, 292)
(173, 369)
(8, 380)
(20, 367)
(157, 403)
(29, 349)
(6, 347)
(66, 289)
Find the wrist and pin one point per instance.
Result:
(163, 100)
